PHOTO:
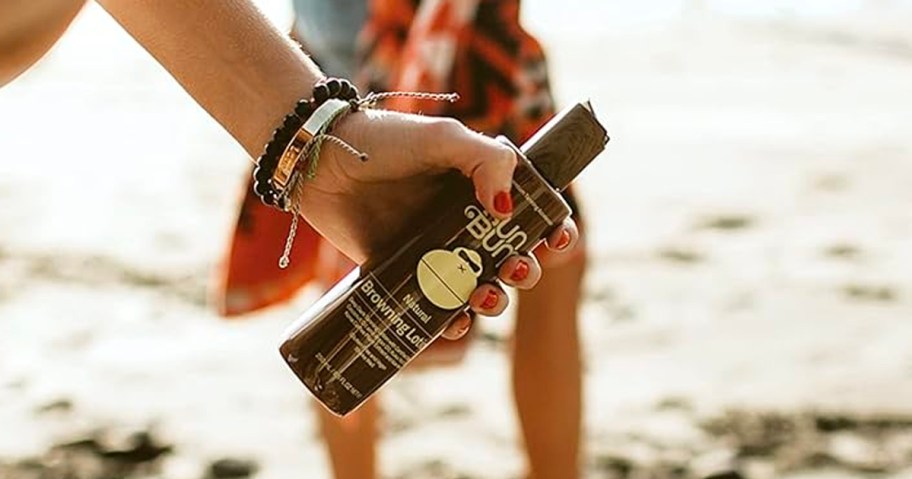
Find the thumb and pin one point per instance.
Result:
(487, 162)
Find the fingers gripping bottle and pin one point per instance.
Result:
(383, 314)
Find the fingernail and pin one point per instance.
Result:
(564, 240)
(464, 329)
(521, 271)
(503, 203)
(490, 300)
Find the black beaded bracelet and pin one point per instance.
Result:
(266, 165)
(267, 162)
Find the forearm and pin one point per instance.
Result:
(227, 56)
(28, 29)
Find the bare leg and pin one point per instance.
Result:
(351, 441)
(547, 376)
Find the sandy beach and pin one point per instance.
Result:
(748, 308)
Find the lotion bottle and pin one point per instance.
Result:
(383, 314)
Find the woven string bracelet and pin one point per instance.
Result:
(299, 158)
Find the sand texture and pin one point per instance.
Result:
(748, 310)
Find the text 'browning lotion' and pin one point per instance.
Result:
(373, 322)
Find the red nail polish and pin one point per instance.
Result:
(503, 203)
(521, 272)
(490, 300)
(564, 240)
(401, 301)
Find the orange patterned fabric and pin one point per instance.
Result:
(476, 48)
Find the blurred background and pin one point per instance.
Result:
(748, 308)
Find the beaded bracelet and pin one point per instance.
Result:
(283, 136)
(301, 136)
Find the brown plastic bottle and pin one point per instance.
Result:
(380, 316)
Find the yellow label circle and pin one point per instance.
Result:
(447, 278)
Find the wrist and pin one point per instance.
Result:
(292, 154)
(279, 178)
(275, 102)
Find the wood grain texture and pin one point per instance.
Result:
(566, 145)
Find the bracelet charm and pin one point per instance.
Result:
(297, 143)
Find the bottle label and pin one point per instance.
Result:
(395, 309)
(386, 332)
(447, 278)
(499, 240)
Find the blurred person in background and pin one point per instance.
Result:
(476, 48)
(479, 50)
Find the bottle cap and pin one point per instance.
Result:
(562, 148)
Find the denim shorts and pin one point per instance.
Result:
(329, 30)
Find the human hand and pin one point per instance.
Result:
(358, 205)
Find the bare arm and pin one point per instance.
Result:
(28, 29)
(248, 76)
(227, 56)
